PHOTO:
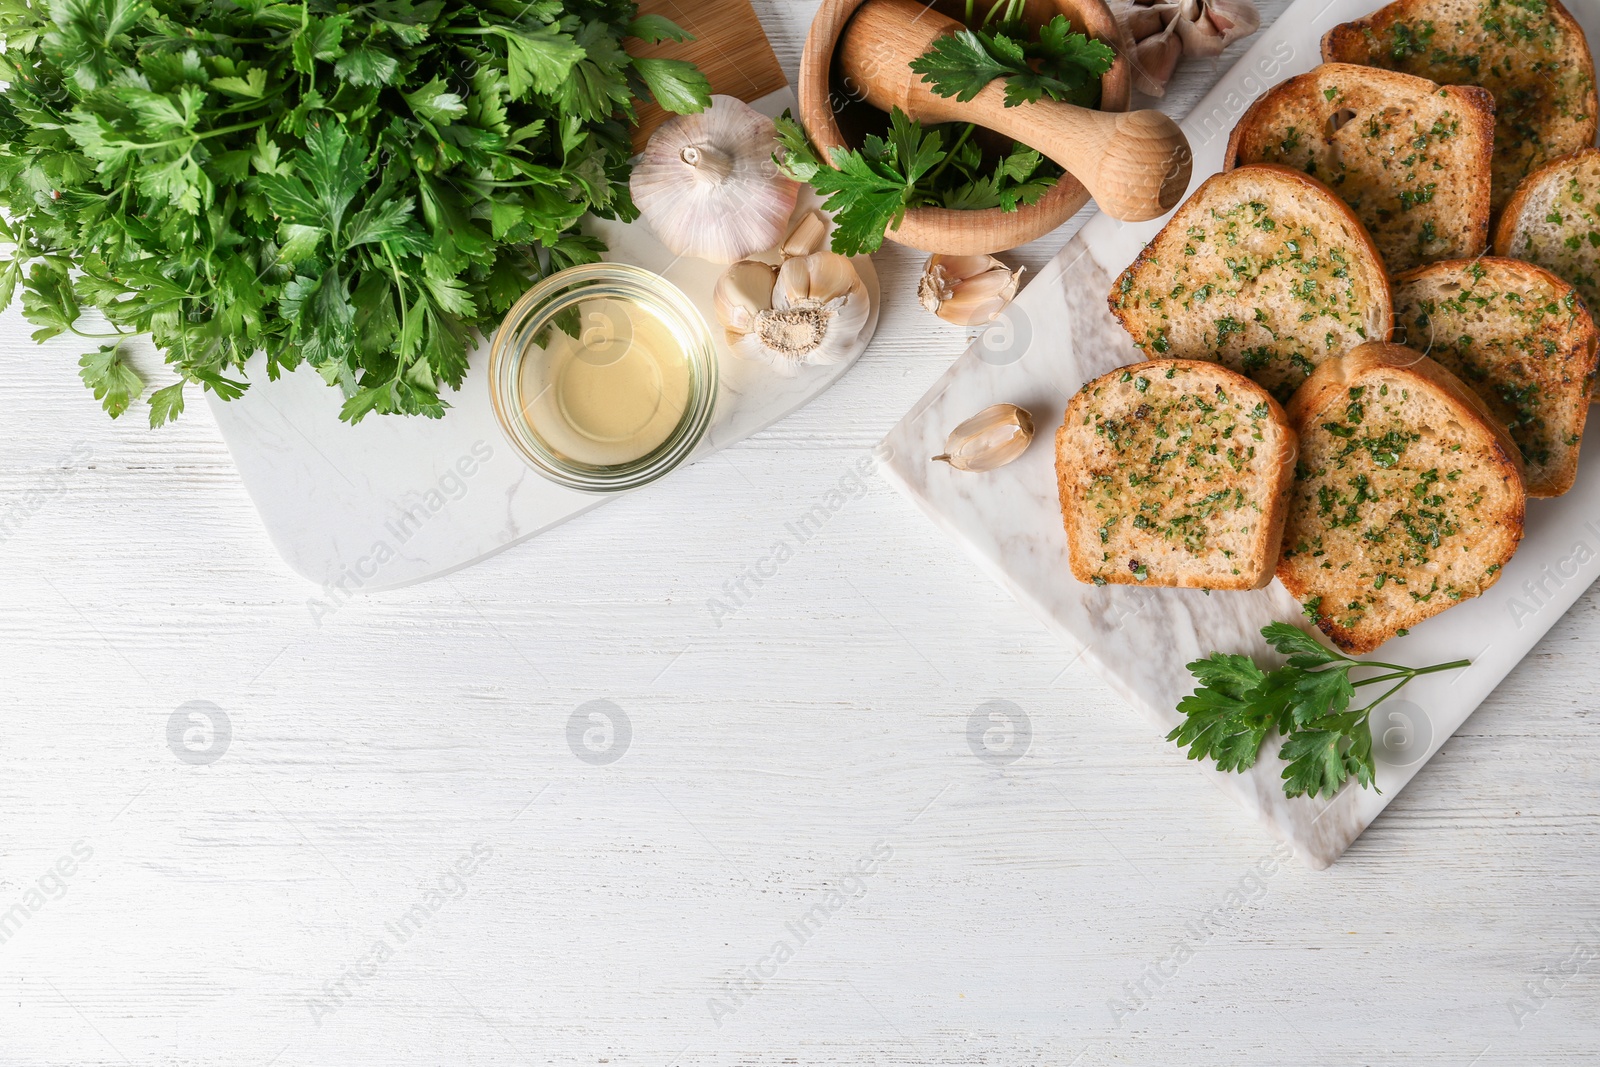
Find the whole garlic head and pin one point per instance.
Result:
(967, 290)
(811, 310)
(707, 185)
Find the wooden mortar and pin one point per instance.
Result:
(827, 102)
(1136, 166)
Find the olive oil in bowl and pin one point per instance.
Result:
(603, 377)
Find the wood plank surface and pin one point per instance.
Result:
(729, 46)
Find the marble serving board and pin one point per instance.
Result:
(1059, 334)
(394, 501)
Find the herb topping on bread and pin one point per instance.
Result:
(1408, 497)
(1409, 157)
(1264, 270)
(1554, 221)
(1531, 54)
(1174, 473)
(1522, 340)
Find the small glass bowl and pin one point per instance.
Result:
(603, 297)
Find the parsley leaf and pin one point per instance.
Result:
(1057, 62)
(1325, 743)
(361, 188)
(869, 190)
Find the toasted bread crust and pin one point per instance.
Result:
(1137, 297)
(1541, 72)
(1322, 577)
(1410, 157)
(1524, 214)
(1116, 553)
(1531, 363)
(1530, 186)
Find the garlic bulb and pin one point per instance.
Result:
(811, 310)
(967, 290)
(707, 185)
(1157, 33)
(992, 438)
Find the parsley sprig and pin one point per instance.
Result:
(870, 189)
(1053, 61)
(1307, 701)
(359, 187)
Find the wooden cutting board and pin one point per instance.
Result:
(729, 46)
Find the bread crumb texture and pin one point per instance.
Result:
(1266, 279)
(1400, 509)
(1529, 53)
(1411, 158)
(1170, 473)
(1558, 224)
(1519, 338)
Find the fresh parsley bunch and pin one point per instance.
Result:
(869, 190)
(359, 187)
(1052, 61)
(1324, 741)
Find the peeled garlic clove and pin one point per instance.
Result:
(968, 290)
(992, 438)
(808, 236)
(707, 185)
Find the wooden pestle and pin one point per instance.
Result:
(1135, 164)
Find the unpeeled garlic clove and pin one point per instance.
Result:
(968, 290)
(992, 438)
(812, 310)
(742, 293)
(1156, 34)
(808, 236)
(1208, 27)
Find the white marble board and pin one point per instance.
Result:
(394, 501)
(1059, 334)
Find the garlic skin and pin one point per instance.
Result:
(743, 292)
(1157, 33)
(707, 185)
(992, 438)
(807, 236)
(968, 290)
(811, 311)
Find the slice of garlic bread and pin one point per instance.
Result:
(1174, 473)
(1554, 221)
(1522, 340)
(1263, 270)
(1531, 54)
(1407, 496)
(1410, 157)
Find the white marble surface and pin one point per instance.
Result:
(1059, 334)
(391, 502)
(766, 755)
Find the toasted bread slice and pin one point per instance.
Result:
(1410, 157)
(1407, 496)
(1522, 340)
(1554, 221)
(1263, 270)
(1531, 54)
(1174, 473)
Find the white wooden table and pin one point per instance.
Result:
(289, 889)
